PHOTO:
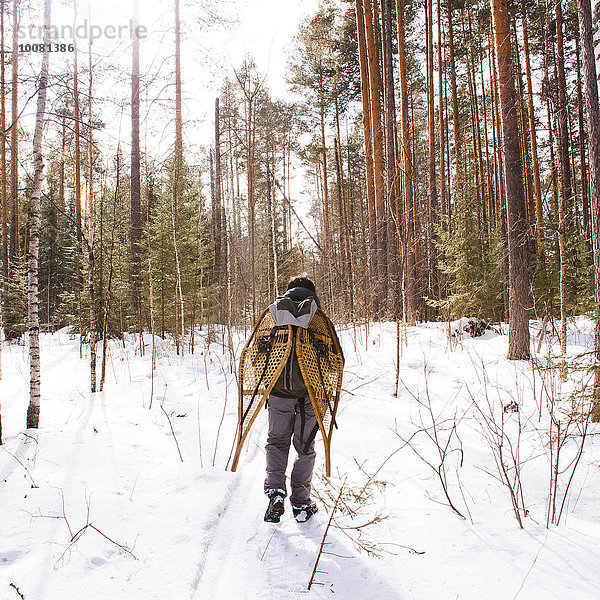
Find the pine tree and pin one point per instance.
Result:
(518, 340)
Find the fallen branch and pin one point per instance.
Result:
(268, 543)
(314, 571)
(33, 483)
(172, 431)
(83, 529)
(74, 537)
(409, 548)
(531, 567)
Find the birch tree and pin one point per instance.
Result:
(33, 411)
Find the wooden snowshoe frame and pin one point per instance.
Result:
(322, 367)
(263, 359)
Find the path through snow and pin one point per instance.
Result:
(196, 530)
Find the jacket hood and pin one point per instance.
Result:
(296, 307)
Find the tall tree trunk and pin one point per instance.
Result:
(411, 300)
(518, 335)
(219, 224)
(496, 134)
(537, 188)
(14, 146)
(251, 207)
(63, 144)
(12, 313)
(474, 137)
(177, 174)
(525, 137)
(375, 89)
(369, 169)
(91, 291)
(3, 190)
(3, 197)
(455, 113)
(431, 179)
(443, 199)
(326, 211)
(272, 240)
(550, 93)
(135, 207)
(106, 303)
(585, 201)
(178, 162)
(341, 230)
(499, 172)
(566, 187)
(488, 168)
(593, 138)
(390, 154)
(77, 141)
(33, 411)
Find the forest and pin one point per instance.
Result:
(167, 166)
(448, 163)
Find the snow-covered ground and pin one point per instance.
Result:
(98, 504)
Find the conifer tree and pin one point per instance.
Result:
(520, 301)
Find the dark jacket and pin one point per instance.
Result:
(296, 307)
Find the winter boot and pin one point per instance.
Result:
(303, 512)
(276, 506)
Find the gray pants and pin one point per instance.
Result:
(285, 425)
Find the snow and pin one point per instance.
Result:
(161, 528)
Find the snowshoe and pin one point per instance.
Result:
(276, 506)
(303, 512)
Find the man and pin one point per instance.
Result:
(291, 414)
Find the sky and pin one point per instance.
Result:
(216, 36)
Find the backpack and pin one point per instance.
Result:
(305, 343)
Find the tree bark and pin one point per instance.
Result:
(219, 222)
(369, 169)
(525, 137)
(178, 162)
(375, 89)
(14, 146)
(326, 215)
(585, 201)
(518, 336)
(411, 301)
(443, 199)
(432, 216)
(91, 262)
(177, 173)
(33, 411)
(455, 113)
(106, 306)
(3, 197)
(593, 138)
(537, 188)
(3, 189)
(390, 154)
(566, 187)
(76, 125)
(135, 206)
(272, 240)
